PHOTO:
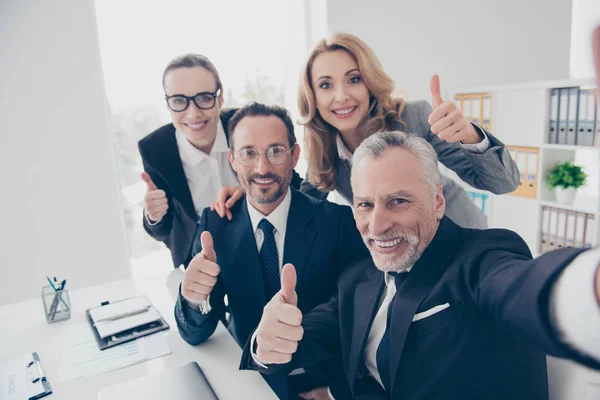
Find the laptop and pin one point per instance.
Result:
(185, 382)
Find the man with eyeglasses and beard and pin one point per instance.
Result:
(186, 162)
(273, 226)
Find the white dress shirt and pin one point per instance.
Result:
(477, 148)
(205, 174)
(277, 218)
(574, 308)
(378, 327)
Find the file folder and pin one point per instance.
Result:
(572, 116)
(565, 228)
(584, 138)
(563, 115)
(487, 112)
(571, 227)
(595, 118)
(526, 159)
(467, 107)
(476, 109)
(544, 230)
(553, 126)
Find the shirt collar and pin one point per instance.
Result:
(342, 150)
(191, 156)
(278, 218)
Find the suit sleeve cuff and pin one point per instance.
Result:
(150, 223)
(201, 306)
(477, 148)
(257, 360)
(574, 310)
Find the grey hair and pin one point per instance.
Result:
(375, 145)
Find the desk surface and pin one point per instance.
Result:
(24, 329)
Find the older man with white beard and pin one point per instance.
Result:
(440, 311)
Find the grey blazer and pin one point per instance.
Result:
(493, 170)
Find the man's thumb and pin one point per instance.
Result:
(288, 284)
(146, 178)
(208, 250)
(434, 86)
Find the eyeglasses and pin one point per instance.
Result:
(202, 100)
(275, 154)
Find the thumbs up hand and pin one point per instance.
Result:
(155, 200)
(201, 274)
(279, 330)
(447, 121)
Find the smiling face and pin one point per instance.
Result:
(265, 183)
(395, 210)
(341, 95)
(198, 126)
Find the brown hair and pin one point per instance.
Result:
(320, 136)
(191, 60)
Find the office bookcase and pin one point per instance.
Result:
(526, 118)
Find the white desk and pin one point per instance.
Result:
(23, 329)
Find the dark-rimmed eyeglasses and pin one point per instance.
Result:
(276, 155)
(202, 100)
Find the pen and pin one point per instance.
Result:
(57, 294)
(124, 315)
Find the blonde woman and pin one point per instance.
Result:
(345, 96)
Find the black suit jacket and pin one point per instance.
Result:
(321, 240)
(162, 162)
(490, 342)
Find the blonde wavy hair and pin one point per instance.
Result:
(319, 136)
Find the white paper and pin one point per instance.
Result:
(156, 345)
(13, 385)
(82, 357)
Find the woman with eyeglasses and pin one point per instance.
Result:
(185, 162)
(346, 96)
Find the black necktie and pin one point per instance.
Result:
(269, 260)
(383, 351)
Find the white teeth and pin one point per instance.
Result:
(263, 181)
(197, 126)
(387, 243)
(344, 112)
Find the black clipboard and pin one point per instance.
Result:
(127, 335)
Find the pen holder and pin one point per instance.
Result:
(57, 305)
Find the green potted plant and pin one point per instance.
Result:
(565, 178)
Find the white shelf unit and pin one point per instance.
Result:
(520, 117)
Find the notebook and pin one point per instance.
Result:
(123, 315)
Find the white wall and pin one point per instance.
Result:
(60, 203)
(468, 42)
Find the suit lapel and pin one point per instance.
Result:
(420, 281)
(299, 237)
(244, 272)
(172, 170)
(366, 296)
